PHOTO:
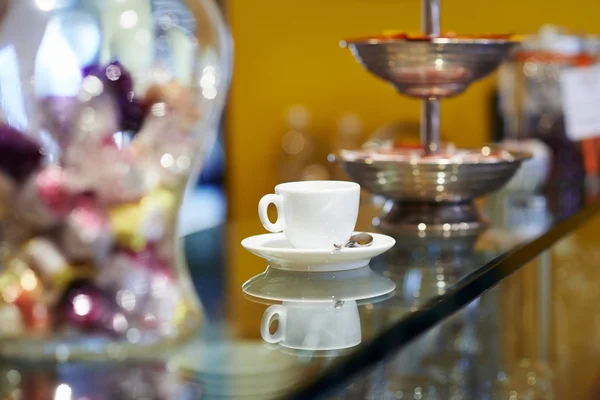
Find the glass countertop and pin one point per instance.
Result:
(431, 318)
(533, 336)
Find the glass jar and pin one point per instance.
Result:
(106, 108)
(531, 107)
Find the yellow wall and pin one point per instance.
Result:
(287, 53)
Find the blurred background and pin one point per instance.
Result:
(295, 91)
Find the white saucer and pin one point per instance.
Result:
(274, 248)
(277, 285)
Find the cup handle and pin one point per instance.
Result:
(263, 205)
(272, 311)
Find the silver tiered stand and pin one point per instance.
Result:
(431, 191)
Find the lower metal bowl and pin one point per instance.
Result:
(406, 177)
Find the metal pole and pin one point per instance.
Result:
(430, 125)
(430, 17)
(430, 116)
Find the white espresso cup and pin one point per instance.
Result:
(313, 325)
(313, 214)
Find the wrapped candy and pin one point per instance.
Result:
(119, 180)
(125, 175)
(86, 235)
(24, 278)
(165, 310)
(173, 99)
(171, 112)
(104, 106)
(99, 140)
(88, 308)
(51, 264)
(95, 117)
(145, 293)
(128, 279)
(10, 287)
(37, 316)
(85, 306)
(21, 287)
(119, 83)
(136, 224)
(13, 233)
(95, 122)
(166, 162)
(156, 211)
(19, 155)
(149, 258)
(114, 74)
(7, 194)
(47, 258)
(164, 143)
(12, 321)
(44, 198)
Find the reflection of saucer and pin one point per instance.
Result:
(281, 285)
(274, 248)
(310, 354)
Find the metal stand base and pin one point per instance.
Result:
(441, 220)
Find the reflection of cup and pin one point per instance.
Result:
(313, 325)
(313, 214)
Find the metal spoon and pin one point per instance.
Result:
(357, 240)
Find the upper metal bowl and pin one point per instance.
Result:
(473, 174)
(436, 67)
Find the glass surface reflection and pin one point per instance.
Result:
(502, 345)
(150, 380)
(485, 351)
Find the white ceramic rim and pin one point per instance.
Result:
(317, 187)
(380, 241)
